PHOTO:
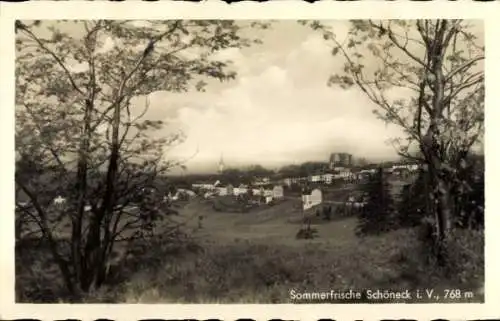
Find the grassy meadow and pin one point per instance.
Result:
(254, 257)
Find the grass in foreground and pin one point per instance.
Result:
(239, 258)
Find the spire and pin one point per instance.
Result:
(221, 164)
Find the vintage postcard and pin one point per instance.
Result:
(279, 160)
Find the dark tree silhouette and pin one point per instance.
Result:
(378, 214)
(412, 204)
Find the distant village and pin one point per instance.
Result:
(267, 187)
(340, 169)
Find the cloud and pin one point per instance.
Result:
(279, 110)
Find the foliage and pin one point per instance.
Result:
(306, 233)
(464, 259)
(427, 77)
(469, 195)
(81, 134)
(244, 272)
(412, 203)
(258, 171)
(378, 214)
(468, 199)
(303, 170)
(231, 204)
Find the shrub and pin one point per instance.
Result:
(306, 233)
(464, 256)
(469, 197)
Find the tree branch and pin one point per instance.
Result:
(56, 58)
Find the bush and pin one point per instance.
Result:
(464, 260)
(306, 233)
(467, 195)
(230, 204)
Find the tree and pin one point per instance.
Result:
(81, 134)
(290, 171)
(377, 216)
(437, 68)
(258, 171)
(232, 176)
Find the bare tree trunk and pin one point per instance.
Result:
(80, 265)
(96, 249)
(438, 176)
(440, 204)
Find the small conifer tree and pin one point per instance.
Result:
(412, 203)
(377, 215)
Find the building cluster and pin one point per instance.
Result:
(341, 169)
(218, 189)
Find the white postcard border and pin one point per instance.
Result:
(247, 10)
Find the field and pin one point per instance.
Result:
(254, 257)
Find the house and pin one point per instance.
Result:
(186, 191)
(278, 192)
(312, 198)
(262, 181)
(387, 170)
(268, 192)
(208, 195)
(342, 173)
(59, 200)
(327, 178)
(172, 197)
(204, 186)
(230, 189)
(269, 199)
(240, 190)
(287, 182)
(222, 191)
(409, 167)
(315, 178)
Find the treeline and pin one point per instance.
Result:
(247, 175)
(234, 176)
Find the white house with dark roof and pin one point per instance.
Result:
(278, 192)
(311, 198)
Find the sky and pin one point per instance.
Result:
(279, 109)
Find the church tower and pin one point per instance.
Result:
(221, 165)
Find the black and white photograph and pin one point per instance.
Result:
(254, 161)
